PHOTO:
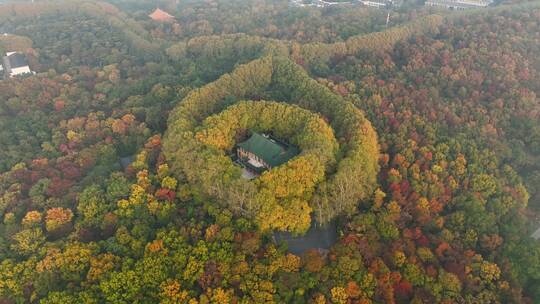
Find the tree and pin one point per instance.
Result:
(339, 295)
(58, 220)
(32, 219)
(92, 207)
(71, 264)
(313, 261)
(28, 241)
(122, 287)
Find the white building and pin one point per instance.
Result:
(536, 234)
(459, 4)
(377, 3)
(15, 64)
(317, 3)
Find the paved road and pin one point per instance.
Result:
(315, 238)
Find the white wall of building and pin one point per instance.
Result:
(20, 71)
(374, 4)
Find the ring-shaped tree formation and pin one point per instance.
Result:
(298, 126)
(351, 180)
(279, 198)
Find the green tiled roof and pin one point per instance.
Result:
(272, 152)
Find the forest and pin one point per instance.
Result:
(419, 140)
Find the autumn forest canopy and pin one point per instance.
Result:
(418, 137)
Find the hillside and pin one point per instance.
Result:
(418, 141)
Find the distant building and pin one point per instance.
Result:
(161, 16)
(15, 64)
(317, 3)
(536, 234)
(459, 4)
(260, 152)
(378, 3)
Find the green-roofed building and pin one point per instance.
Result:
(260, 152)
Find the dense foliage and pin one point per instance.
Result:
(94, 207)
(352, 181)
(222, 52)
(279, 199)
(276, 19)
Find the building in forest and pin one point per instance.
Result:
(15, 64)
(317, 3)
(536, 234)
(378, 3)
(161, 16)
(261, 152)
(459, 4)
